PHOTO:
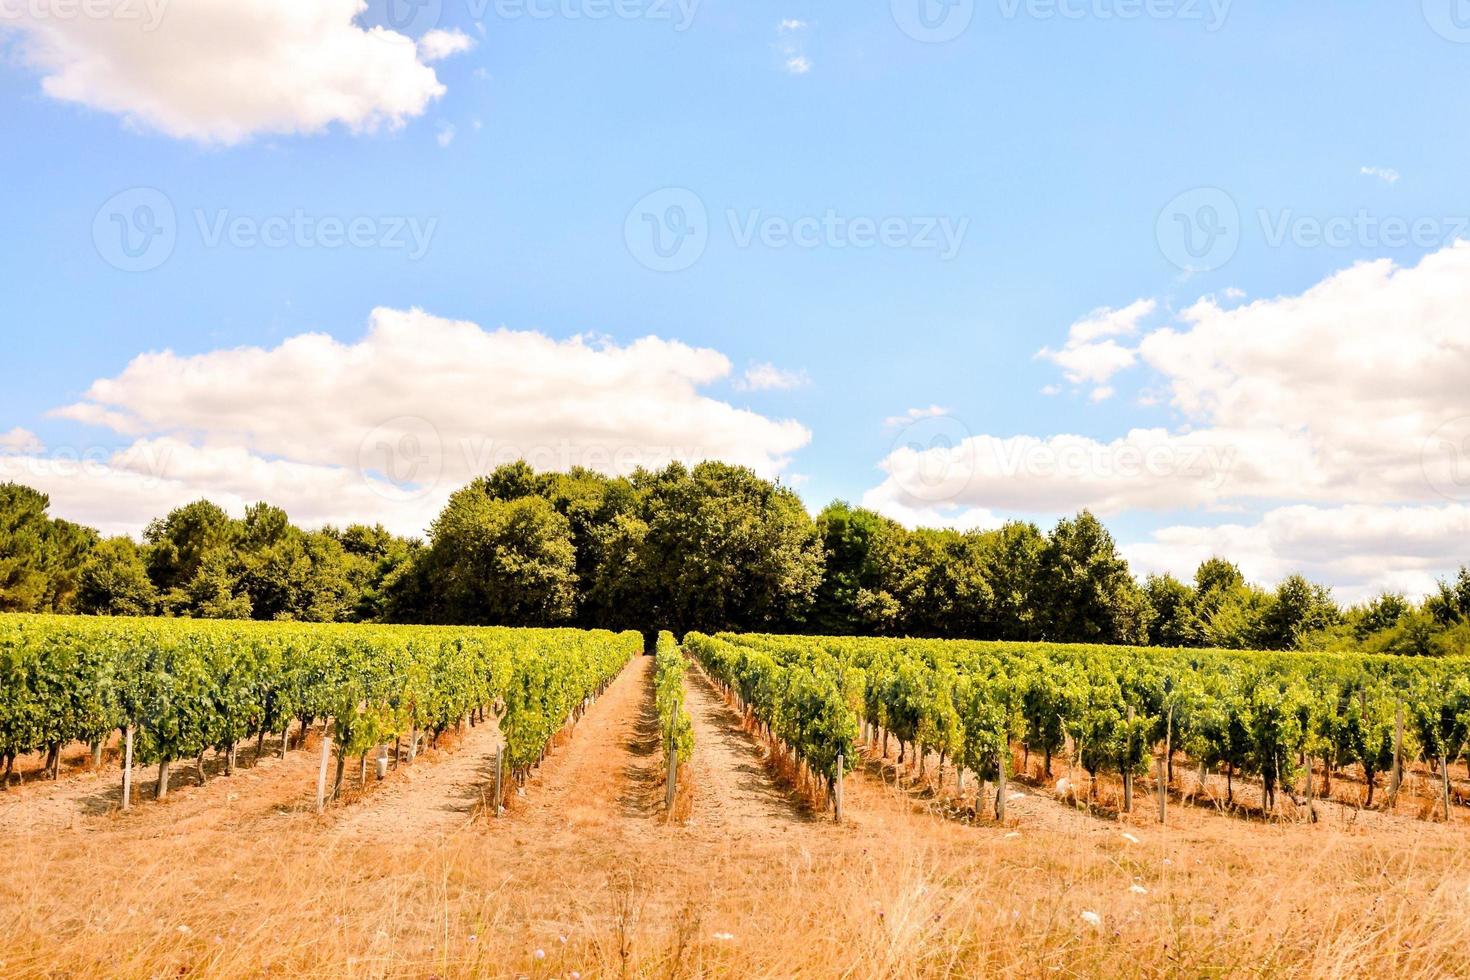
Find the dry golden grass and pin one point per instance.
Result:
(237, 879)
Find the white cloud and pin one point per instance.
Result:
(768, 377)
(914, 415)
(384, 428)
(436, 45)
(19, 440)
(792, 46)
(1362, 550)
(1091, 355)
(119, 492)
(1093, 363)
(1386, 174)
(445, 136)
(912, 514)
(221, 71)
(1101, 394)
(1350, 395)
(1105, 322)
(1147, 468)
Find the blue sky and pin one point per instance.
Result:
(1053, 142)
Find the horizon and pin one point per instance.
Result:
(960, 264)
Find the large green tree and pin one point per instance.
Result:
(496, 561)
(1085, 592)
(41, 559)
(860, 550)
(1174, 618)
(114, 581)
(725, 549)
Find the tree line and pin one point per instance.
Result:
(711, 547)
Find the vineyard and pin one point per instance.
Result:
(752, 805)
(176, 689)
(1111, 710)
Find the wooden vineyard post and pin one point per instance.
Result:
(671, 784)
(499, 775)
(1444, 775)
(1000, 781)
(321, 775)
(1163, 790)
(127, 799)
(1396, 776)
(837, 792)
(1307, 760)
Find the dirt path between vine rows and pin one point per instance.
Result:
(41, 805)
(437, 798)
(733, 793)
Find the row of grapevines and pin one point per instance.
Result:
(806, 699)
(1244, 712)
(668, 685)
(187, 686)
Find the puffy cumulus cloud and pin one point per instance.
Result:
(1371, 363)
(224, 70)
(1091, 363)
(119, 491)
(438, 44)
(1091, 355)
(19, 440)
(386, 427)
(1349, 395)
(1149, 468)
(1105, 322)
(1362, 550)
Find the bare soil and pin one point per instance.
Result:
(583, 876)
